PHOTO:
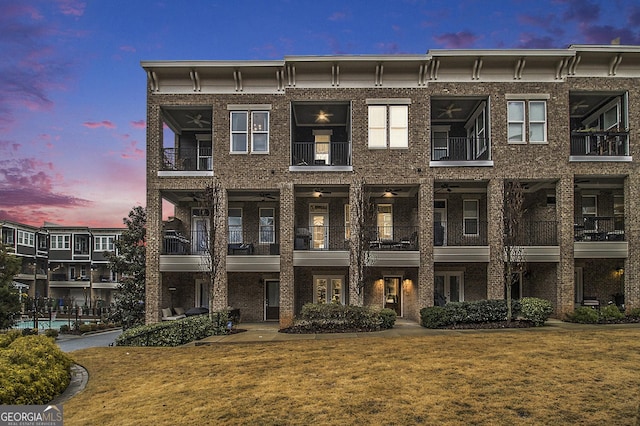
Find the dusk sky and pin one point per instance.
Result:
(72, 92)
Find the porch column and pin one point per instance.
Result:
(632, 236)
(495, 232)
(565, 285)
(220, 290)
(153, 284)
(287, 276)
(425, 243)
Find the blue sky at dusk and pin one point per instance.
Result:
(72, 92)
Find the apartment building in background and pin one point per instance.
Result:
(65, 263)
(432, 140)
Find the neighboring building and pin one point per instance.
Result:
(71, 262)
(432, 139)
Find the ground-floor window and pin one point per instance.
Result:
(448, 287)
(328, 289)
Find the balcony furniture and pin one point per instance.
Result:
(240, 248)
(617, 235)
(168, 315)
(175, 243)
(197, 311)
(302, 239)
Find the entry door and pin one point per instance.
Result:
(272, 300)
(448, 287)
(579, 284)
(319, 224)
(393, 294)
(202, 294)
(199, 235)
(440, 223)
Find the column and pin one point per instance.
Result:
(287, 276)
(565, 279)
(632, 236)
(495, 232)
(425, 243)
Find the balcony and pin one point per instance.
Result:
(450, 234)
(321, 154)
(600, 143)
(460, 149)
(598, 228)
(325, 238)
(187, 159)
(386, 238)
(535, 233)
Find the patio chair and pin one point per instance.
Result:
(167, 314)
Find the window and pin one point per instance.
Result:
(8, 236)
(476, 128)
(448, 287)
(388, 126)
(328, 289)
(26, 238)
(440, 142)
(518, 125)
(42, 242)
(104, 243)
(242, 139)
(267, 226)
(470, 217)
(618, 212)
(235, 225)
(590, 211)
(60, 242)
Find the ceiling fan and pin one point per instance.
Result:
(579, 105)
(447, 187)
(197, 120)
(323, 117)
(266, 196)
(319, 192)
(391, 192)
(448, 111)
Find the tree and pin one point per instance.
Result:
(513, 212)
(212, 202)
(129, 261)
(360, 213)
(9, 298)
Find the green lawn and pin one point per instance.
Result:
(508, 377)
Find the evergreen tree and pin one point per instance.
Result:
(129, 262)
(9, 298)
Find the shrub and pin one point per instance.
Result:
(336, 318)
(7, 338)
(65, 328)
(611, 312)
(29, 331)
(84, 328)
(435, 317)
(535, 310)
(584, 315)
(33, 370)
(634, 313)
(388, 317)
(51, 332)
(480, 311)
(174, 333)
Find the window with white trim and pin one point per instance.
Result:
(60, 242)
(104, 243)
(385, 221)
(235, 225)
(328, 289)
(267, 225)
(250, 132)
(388, 126)
(347, 221)
(470, 220)
(26, 238)
(527, 121)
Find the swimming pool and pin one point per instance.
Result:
(44, 324)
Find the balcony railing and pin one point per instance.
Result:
(187, 159)
(600, 143)
(239, 243)
(534, 233)
(460, 149)
(321, 238)
(454, 234)
(598, 228)
(321, 154)
(392, 237)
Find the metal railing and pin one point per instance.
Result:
(392, 237)
(455, 234)
(321, 154)
(187, 159)
(535, 233)
(598, 228)
(600, 143)
(459, 149)
(264, 242)
(321, 238)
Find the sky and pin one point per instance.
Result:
(73, 94)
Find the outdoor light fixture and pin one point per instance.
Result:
(172, 289)
(323, 117)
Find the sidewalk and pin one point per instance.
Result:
(268, 332)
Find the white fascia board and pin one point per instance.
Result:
(356, 58)
(608, 48)
(499, 52)
(148, 65)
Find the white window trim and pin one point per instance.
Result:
(249, 110)
(237, 132)
(472, 128)
(447, 274)
(389, 128)
(229, 230)
(476, 217)
(526, 101)
(330, 292)
(104, 243)
(545, 123)
(66, 242)
(347, 221)
(254, 131)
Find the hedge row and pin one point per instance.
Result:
(336, 318)
(33, 370)
(485, 311)
(606, 315)
(175, 333)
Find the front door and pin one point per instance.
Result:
(448, 287)
(272, 300)
(393, 294)
(440, 223)
(202, 294)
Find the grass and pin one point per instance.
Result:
(501, 377)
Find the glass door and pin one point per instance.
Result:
(440, 223)
(272, 300)
(393, 294)
(448, 287)
(319, 224)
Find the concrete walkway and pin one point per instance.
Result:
(268, 332)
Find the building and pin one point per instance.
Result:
(432, 140)
(70, 263)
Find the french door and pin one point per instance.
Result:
(449, 286)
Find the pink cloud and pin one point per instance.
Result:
(72, 7)
(459, 40)
(132, 152)
(139, 124)
(97, 124)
